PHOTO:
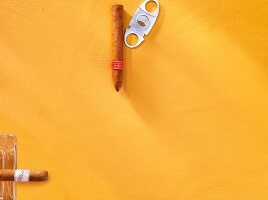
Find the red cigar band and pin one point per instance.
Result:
(117, 64)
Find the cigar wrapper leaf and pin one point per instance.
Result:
(32, 176)
(117, 45)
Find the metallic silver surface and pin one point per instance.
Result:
(142, 23)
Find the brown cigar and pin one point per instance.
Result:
(117, 46)
(23, 175)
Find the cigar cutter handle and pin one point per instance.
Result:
(142, 23)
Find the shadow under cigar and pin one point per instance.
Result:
(127, 61)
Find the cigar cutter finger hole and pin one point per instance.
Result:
(142, 22)
(132, 39)
(151, 6)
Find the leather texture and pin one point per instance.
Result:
(190, 122)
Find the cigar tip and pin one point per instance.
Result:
(117, 88)
(118, 85)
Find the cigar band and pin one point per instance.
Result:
(117, 64)
(22, 175)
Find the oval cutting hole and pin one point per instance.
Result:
(143, 20)
(132, 39)
(151, 6)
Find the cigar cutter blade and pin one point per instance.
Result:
(142, 23)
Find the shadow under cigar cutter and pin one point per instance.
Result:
(142, 23)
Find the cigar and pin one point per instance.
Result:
(23, 175)
(117, 46)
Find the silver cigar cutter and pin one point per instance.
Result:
(142, 23)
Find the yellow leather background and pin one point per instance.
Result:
(190, 123)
